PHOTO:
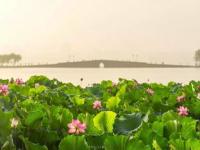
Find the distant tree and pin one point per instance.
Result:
(10, 58)
(17, 58)
(197, 57)
(14, 58)
(4, 59)
(7, 58)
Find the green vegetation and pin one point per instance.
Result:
(42, 114)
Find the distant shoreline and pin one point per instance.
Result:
(102, 64)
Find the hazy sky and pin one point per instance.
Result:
(56, 30)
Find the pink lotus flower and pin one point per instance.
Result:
(150, 91)
(19, 81)
(182, 111)
(180, 98)
(4, 90)
(97, 105)
(114, 84)
(76, 127)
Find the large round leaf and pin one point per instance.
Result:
(73, 143)
(113, 103)
(34, 116)
(104, 121)
(88, 120)
(5, 128)
(188, 129)
(137, 145)
(192, 144)
(177, 144)
(128, 123)
(59, 117)
(32, 146)
(116, 142)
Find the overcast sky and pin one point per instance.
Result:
(59, 30)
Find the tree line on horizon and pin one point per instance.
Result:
(197, 57)
(13, 58)
(10, 59)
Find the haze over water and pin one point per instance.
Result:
(90, 76)
(45, 31)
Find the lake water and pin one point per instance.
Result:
(161, 75)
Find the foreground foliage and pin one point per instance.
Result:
(42, 114)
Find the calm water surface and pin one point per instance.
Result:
(162, 75)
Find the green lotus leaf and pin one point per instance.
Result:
(32, 146)
(33, 116)
(137, 145)
(177, 144)
(5, 128)
(73, 143)
(113, 103)
(116, 142)
(88, 120)
(104, 121)
(128, 123)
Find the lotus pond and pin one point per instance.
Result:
(44, 114)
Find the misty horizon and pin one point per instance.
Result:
(137, 30)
